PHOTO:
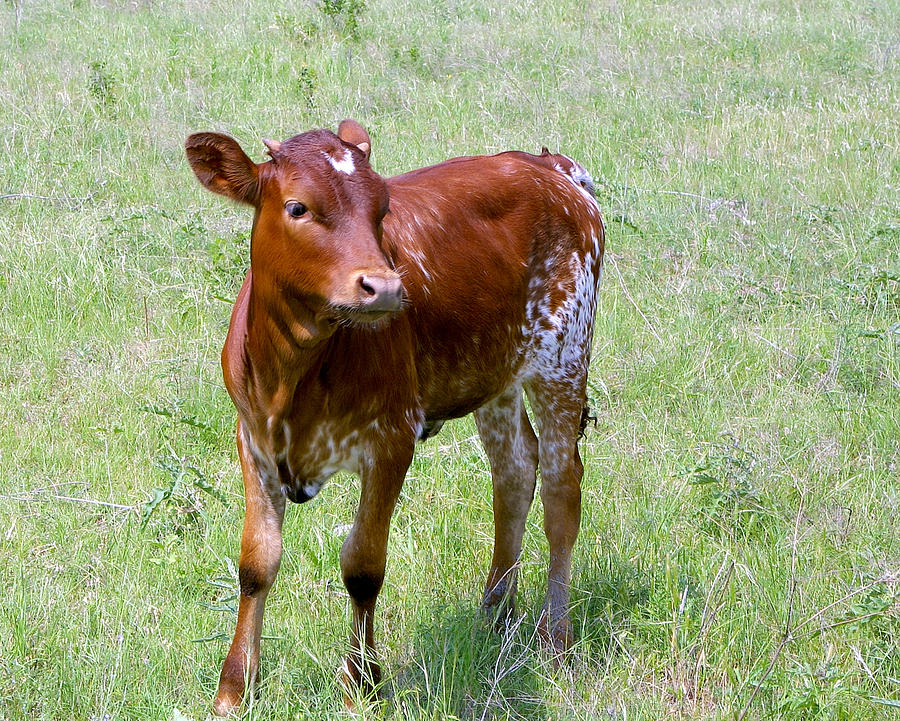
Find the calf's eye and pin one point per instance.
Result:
(295, 209)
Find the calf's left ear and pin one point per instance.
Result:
(352, 132)
(222, 167)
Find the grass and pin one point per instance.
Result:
(740, 546)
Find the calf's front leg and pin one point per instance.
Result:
(259, 564)
(363, 559)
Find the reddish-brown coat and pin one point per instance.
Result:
(376, 309)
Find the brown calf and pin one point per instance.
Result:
(375, 309)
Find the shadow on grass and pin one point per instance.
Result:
(456, 666)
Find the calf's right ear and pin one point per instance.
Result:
(352, 132)
(222, 167)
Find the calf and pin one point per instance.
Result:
(374, 309)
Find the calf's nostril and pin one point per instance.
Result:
(379, 293)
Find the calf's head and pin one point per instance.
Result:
(316, 241)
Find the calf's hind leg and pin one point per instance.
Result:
(512, 450)
(558, 407)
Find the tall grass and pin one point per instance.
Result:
(740, 545)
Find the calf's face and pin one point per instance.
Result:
(317, 232)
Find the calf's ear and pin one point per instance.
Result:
(222, 167)
(352, 132)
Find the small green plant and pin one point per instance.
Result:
(227, 585)
(230, 259)
(728, 471)
(345, 14)
(880, 291)
(102, 84)
(181, 492)
(815, 691)
(297, 29)
(306, 85)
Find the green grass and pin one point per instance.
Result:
(743, 476)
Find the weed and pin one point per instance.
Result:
(814, 692)
(228, 263)
(306, 85)
(103, 85)
(180, 493)
(726, 476)
(345, 14)
(297, 28)
(879, 292)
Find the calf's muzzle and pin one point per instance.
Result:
(379, 293)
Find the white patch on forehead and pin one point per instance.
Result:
(344, 165)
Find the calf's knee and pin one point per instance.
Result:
(363, 586)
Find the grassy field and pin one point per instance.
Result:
(740, 546)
